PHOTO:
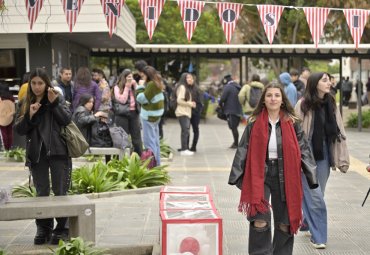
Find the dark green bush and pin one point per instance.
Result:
(352, 120)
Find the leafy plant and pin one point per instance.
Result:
(165, 149)
(139, 176)
(2, 252)
(93, 158)
(352, 120)
(19, 154)
(77, 246)
(23, 191)
(94, 179)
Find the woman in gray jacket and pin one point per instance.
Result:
(268, 163)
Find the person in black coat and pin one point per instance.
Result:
(229, 102)
(40, 118)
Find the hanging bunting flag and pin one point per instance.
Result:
(71, 9)
(151, 10)
(270, 16)
(190, 14)
(356, 20)
(33, 9)
(316, 19)
(229, 14)
(112, 11)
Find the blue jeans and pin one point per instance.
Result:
(151, 138)
(314, 207)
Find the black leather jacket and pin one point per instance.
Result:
(44, 128)
(308, 162)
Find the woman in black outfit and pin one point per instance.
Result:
(40, 119)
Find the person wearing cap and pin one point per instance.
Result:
(7, 111)
(229, 102)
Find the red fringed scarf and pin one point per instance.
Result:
(252, 195)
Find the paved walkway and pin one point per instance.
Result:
(132, 219)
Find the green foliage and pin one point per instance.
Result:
(2, 252)
(134, 173)
(94, 158)
(128, 173)
(352, 120)
(93, 179)
(170, 28)
(77, 246)
(165, 149)
(23, 191)
(18, 154)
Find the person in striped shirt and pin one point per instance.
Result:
(149, 95)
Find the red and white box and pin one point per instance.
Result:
(186, 197)
(186, 205)
(184, 189)
(197, 232)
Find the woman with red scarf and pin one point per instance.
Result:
(268, 164)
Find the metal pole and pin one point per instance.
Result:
(359, 103)
(340, 87)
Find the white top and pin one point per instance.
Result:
(272, 142)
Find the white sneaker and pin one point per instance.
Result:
(186, 153)
(318, 245)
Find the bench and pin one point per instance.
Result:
(105, 151)
(78, 208)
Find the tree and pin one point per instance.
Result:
(170, 28)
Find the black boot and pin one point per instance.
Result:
(43, 235)
(59, 235)
(193, 148)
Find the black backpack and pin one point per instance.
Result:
(173, 99)
(254, 96)
(100, 135)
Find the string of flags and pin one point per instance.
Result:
(191, 10)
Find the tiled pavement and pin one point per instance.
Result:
(133, 219)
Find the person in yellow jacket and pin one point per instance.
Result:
(23, 90)
(250, 94)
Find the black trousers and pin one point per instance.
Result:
(131, 125)
(260, 238)
(60, 173)
(194, 121)
(233, 123)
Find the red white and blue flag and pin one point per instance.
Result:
(112, 11)
(270, 16)
(316, 19)
(356, 20)
(151, 10)
(33, 9)
(229, 15)
(71, 9)
(190, 14)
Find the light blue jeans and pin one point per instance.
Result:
(151, 138)
(314, 207)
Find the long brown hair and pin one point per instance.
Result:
(122, 80)
(83, 77)
(311, 97)
(31, 97)
(152, 75)
(286, 106)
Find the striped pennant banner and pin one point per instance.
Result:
(270, 16)
(229, 15)
(71, 9)
(33, 10)
(316, 19)
(112, 11)
(190, 14)
(356, 20)
(151, 10)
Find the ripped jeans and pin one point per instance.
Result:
(260, 242)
